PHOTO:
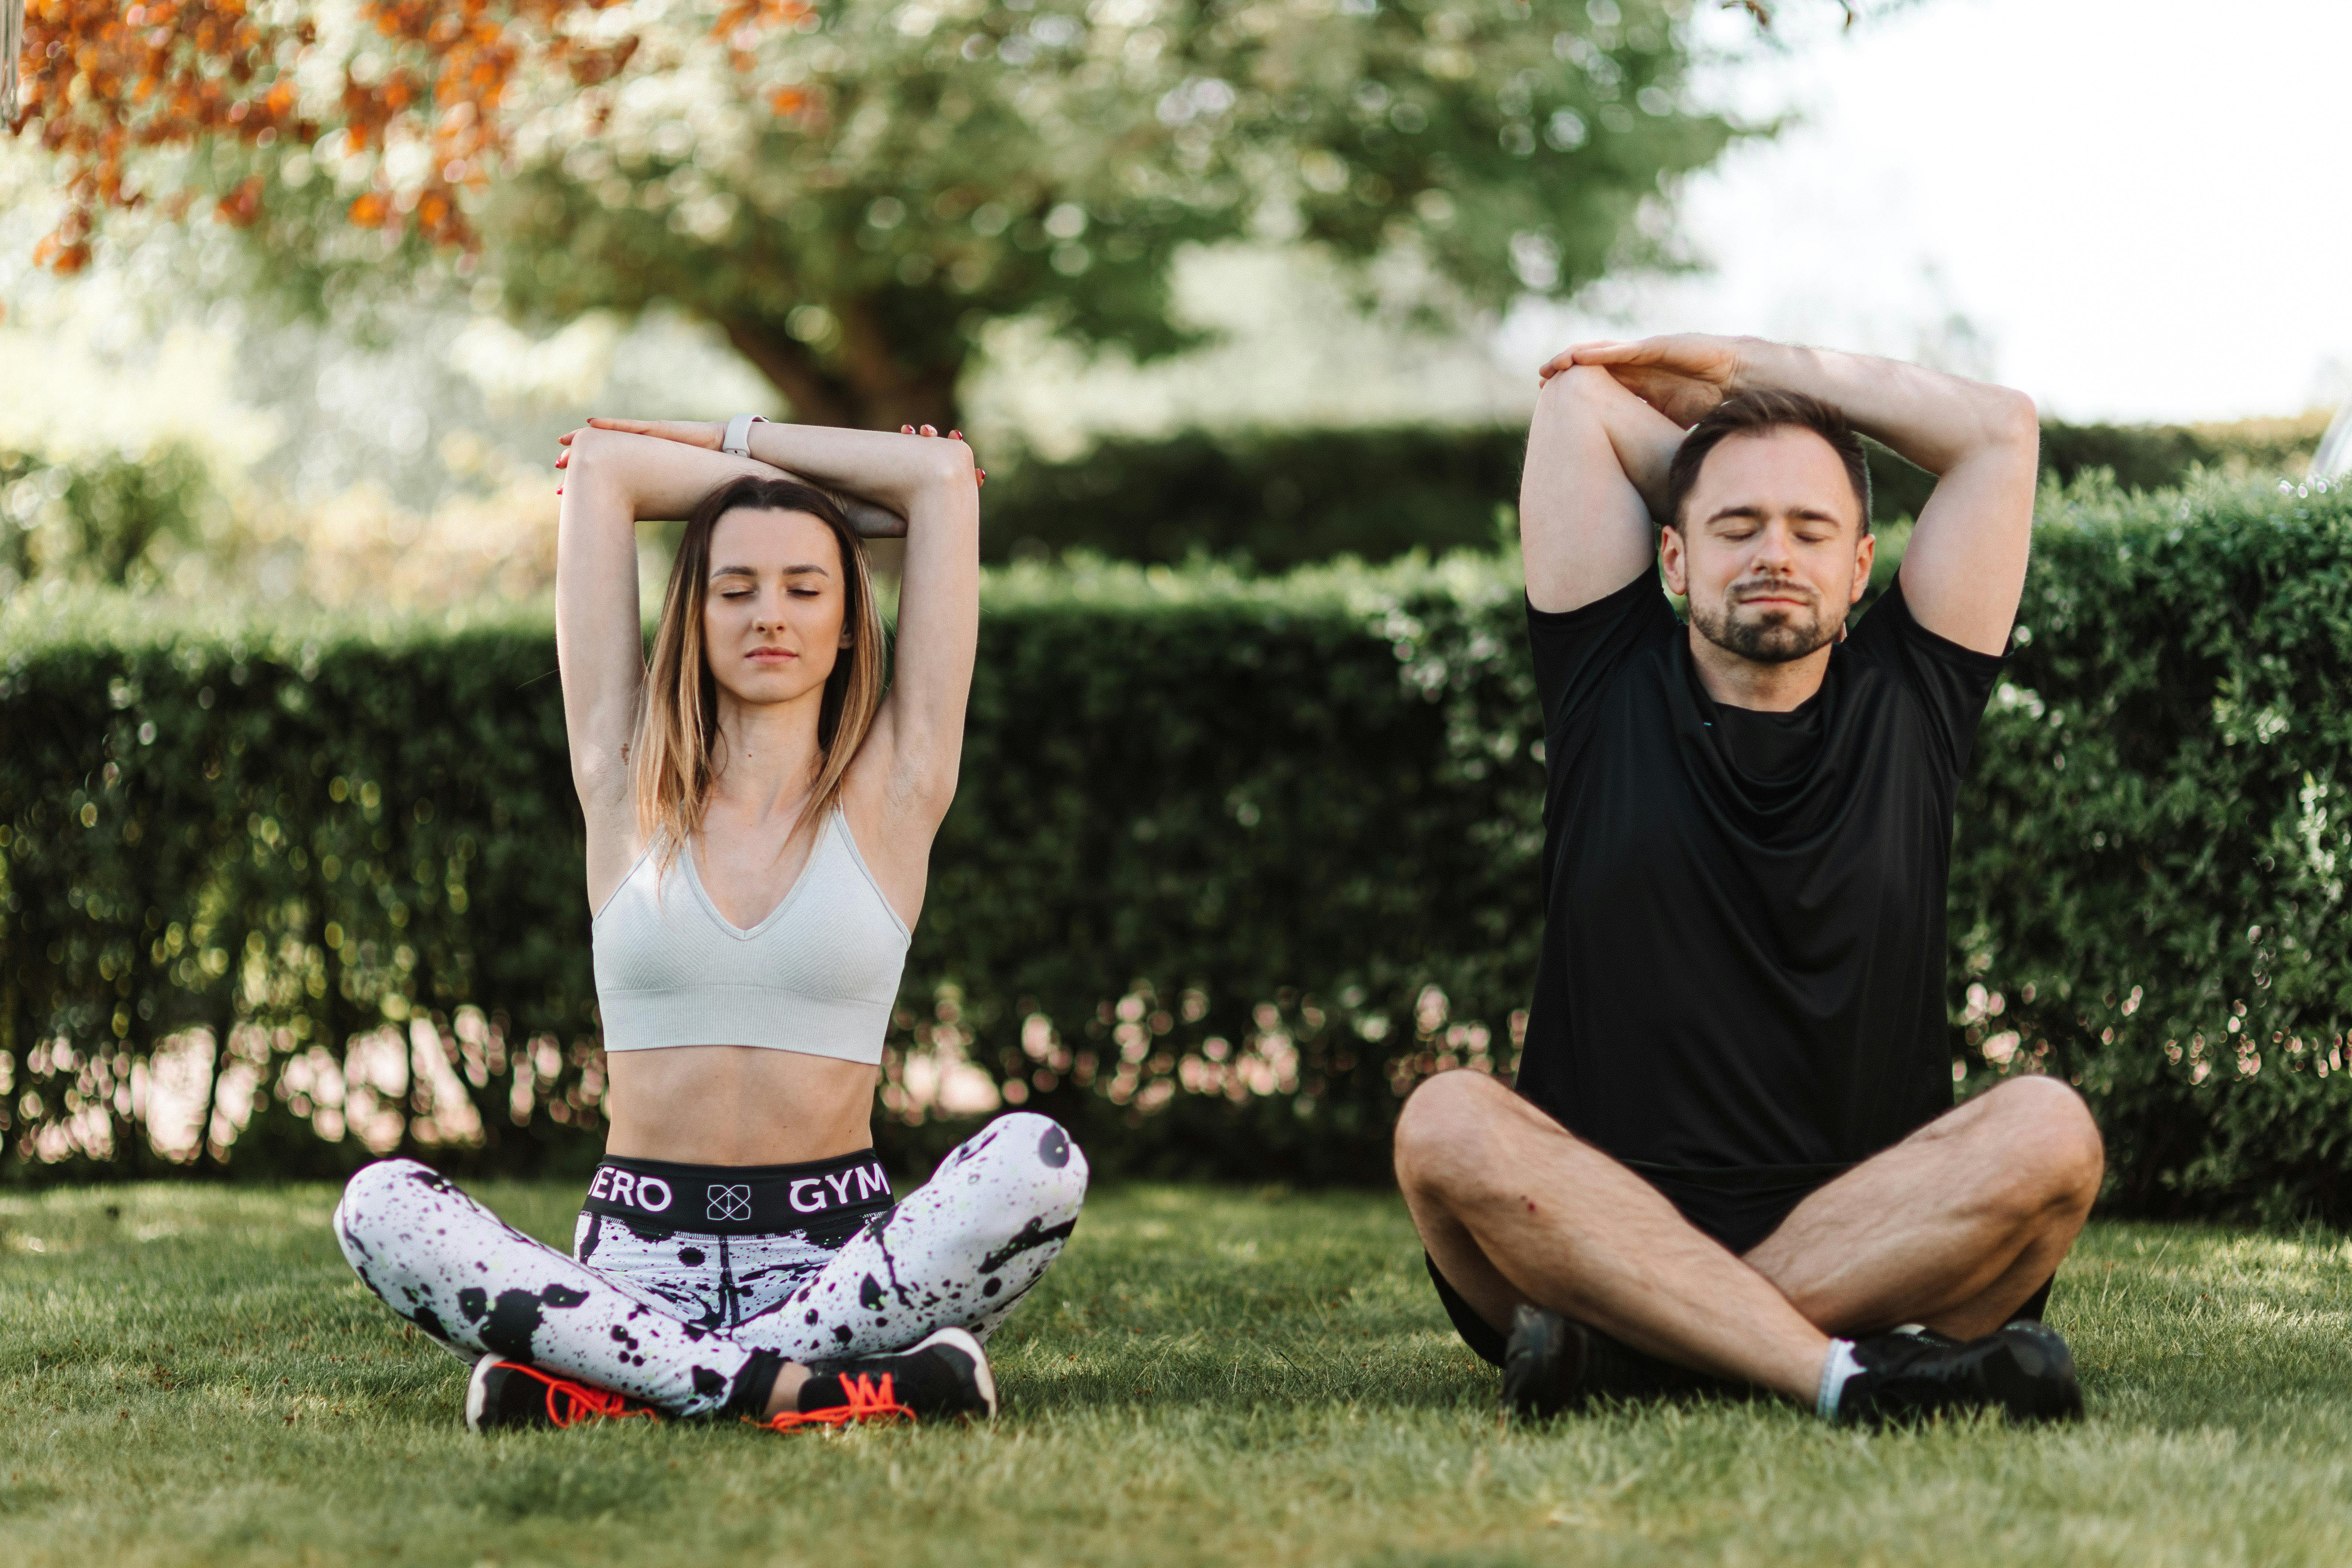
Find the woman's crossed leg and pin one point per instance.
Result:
(959, 1253)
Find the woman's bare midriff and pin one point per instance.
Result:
(736, 1105)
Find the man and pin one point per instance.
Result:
(1732, 1148)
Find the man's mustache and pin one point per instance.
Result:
(1777, 588)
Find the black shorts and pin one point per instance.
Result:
(1738, 1209)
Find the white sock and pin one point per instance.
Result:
(1838, 1366)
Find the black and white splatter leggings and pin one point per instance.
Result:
(690, 1304)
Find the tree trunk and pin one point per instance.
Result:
(864, 383)
(816, 397)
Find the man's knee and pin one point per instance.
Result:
(2049, 1141)
(1446, 1127)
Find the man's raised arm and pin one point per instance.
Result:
(1965, 566)
(1595, 478)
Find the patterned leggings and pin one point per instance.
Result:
(960, 1251)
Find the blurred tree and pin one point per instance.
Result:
(99, 517)
(854, 190)
(20, 500)
(116, 509)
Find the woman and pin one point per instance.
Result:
(760, 815)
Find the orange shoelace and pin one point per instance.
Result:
(867, 1400)
(568, 1403)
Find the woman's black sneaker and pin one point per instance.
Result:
(2024, 1371)
(944, 1376)
(503, 1394)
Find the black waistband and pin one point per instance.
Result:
(827, 1198)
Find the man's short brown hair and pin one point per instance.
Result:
(1751, 414)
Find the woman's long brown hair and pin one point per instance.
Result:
(675, 757)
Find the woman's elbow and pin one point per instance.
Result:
(592, 449)
(950, 466)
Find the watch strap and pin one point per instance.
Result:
(737, 442)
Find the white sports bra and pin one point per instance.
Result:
(817, 975)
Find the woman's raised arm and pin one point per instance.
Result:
(916, 743)
(612, 481)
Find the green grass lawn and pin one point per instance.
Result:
(191, 1375)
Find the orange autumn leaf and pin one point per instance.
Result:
(104, 83)
(243, 205)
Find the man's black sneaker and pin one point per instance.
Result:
(503, 1394)
(1552, 1364)
(2024, 1371)
(946, 1375)
(1544, 1364)
(1931, 1336)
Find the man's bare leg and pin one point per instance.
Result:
(1953, 1228)
(1515, 1208)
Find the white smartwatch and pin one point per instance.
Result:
(737, 442)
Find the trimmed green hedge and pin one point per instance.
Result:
(2148, 887)
(1234, 862)
(1281, 498)
(1275, 499)
(1191, 799)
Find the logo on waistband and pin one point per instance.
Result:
(729, 1202)
(650, 1194)
(814, 1195)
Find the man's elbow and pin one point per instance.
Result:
(2010, 419)
(1580, 385)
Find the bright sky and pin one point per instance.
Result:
(2143, 208)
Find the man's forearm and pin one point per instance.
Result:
(1934, 420)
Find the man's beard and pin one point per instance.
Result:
(1776, 637)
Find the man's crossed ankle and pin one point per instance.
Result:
(1552, 1364)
